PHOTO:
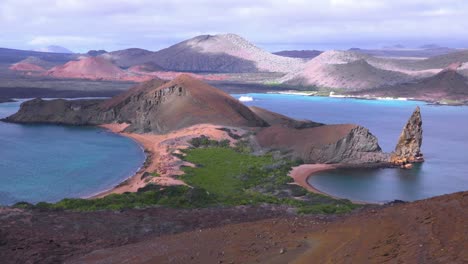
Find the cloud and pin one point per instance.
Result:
(116, 24)
(65, 40)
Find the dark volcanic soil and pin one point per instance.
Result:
(52, 236)
(427, 231)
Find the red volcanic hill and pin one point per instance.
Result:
(183, 102)
(94, 68)
(30, 64)
(448, 84)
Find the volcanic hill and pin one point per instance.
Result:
(93, 68)
(153, 106)
(446, 85)
(30, 64)
(343, 69)
(227, 53)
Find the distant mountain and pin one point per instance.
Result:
(146, 67)
(130, 57)
(304, 54)
(31, 64)
(93, 68)
(227, 53)
(54, 49)
(343, 69)
(431, 46)
(415, 53)
(396, 46)
(95, 53)
(446, 85)
(10, 56)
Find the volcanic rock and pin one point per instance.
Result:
(408, 148)
(349, 144)
(187, 101)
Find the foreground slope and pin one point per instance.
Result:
(426, 231)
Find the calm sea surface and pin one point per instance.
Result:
(445, 145)
(48, 163)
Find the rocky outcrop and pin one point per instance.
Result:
(348, 144)
(408, 148)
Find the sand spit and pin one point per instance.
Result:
(161, 166)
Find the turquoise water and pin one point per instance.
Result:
(445, 145)
(48, 163)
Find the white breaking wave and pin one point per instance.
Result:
(246, 99)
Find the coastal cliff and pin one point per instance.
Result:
(349, 144)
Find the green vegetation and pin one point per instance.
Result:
(237, 178)
(273, 83)
(224, 176)
(173, 196)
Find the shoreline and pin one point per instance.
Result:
(161, 166)
(371, 98)
(159, 151)
(302, 173)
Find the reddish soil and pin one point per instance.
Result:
(26, 67)
(278, 136)
(428, 231)
(301, 173)
(160, 149)
(93, 68)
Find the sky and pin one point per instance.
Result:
(81, 25)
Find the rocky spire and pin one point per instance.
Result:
(408, 148)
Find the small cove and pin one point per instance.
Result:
(49, 163)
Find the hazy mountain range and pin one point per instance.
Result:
(225, 56)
